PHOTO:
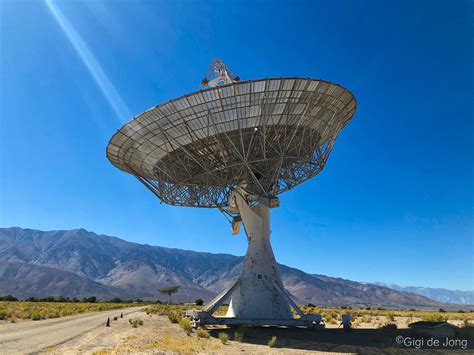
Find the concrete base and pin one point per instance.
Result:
(202, 318)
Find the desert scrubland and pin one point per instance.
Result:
(22, 310)
(159, 327)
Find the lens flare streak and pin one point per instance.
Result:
(93, 66)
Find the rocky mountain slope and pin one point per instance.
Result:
(438, 294)
(91, 261)
(27, 280)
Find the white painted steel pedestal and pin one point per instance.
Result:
(260, 291)
(258, 297)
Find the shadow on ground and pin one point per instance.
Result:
(363, 341)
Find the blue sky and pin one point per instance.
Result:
(395, 201)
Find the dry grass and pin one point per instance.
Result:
(272, 342)
(333, 315)
(185, 325)
(134, 322)
(164, 309)
(177, 343)
(370, 315)
(44, 310)
(371, 318)
(239, 333)
(223, 337)
(202, 333)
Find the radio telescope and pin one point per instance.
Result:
(236, 145)
(169, 291)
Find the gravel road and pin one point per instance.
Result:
(32, 336)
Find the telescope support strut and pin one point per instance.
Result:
(258, 297)
(259, 294)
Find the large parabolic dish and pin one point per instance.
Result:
(236, 146)
(266, 135)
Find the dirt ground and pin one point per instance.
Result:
(158, 335)
(28, 336)
(375, 322)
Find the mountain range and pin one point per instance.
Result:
(438, 294)
(78, 263)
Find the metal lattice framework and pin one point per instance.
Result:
(265, 136)
(218, 74)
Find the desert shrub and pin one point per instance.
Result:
(164, 310)
(59, 308)
(175, 316)
(272, 342)
(239, 333)
(330, 318)
(23, 313)
(434, 317)
(157, 309)
(390, 317)
(199, 302)
(8, 298)
(383, 315)
(223, 337)
(53, 314)
(354, 315)
(92, 299)
(185, 324)
(44, 313)
(66, 312)
(202, 333)
(115, 300)
(35, 315)
(135, 322)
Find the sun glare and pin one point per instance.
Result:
(95, 69)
